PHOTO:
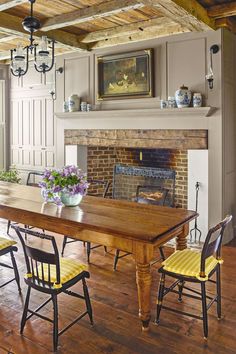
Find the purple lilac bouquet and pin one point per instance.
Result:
(69, 179)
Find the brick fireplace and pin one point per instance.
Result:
(101, 161)
(145, 148)
(174, 139)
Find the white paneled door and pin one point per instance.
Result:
(2, 126)
(32, 133)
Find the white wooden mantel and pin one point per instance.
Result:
(153, 118)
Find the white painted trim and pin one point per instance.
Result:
(139, 113)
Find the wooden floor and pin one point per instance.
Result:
(117, 328)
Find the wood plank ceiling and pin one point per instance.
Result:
(90, 24)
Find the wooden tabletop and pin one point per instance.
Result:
(130, 220)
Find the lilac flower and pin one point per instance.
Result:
(69, 179)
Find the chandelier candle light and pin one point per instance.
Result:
(43, 52)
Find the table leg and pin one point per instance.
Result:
(181, 239)
(144, 280)
(143, 255)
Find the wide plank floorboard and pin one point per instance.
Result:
(114, 298)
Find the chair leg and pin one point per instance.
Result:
(88, 251)
(87, 301)
(181, 287)
(218, 289)
(162, 253)
(116, 259)
(64, 245)
(160, 298)
(17, 277)
(204, 309)
(55, 322)
(24, 316)
(8, 227)
(26, 227)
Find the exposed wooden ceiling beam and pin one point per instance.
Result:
(90, 13)
(124, 30)
(11, 3)
(7, 38)
(222, 10)
(188, 13)
(4, 55)
(12, 25)
(226, 22)
(147, 33)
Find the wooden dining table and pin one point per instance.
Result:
(127, 226)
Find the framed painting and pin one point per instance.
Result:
(127, 75)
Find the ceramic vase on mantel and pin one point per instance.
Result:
(71, 200)
(74, 103)
(183, 97)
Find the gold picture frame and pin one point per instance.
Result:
(125, 75)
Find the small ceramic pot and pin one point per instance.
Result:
(74, 103)
(70, 200)
(164, 104)
(183, 97)
(171, 102)
(83, 106)
(197, 100)
(65, 106)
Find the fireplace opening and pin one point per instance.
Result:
(102, 162)
(149, 185)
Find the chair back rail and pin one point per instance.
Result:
(30, 175)
(213, 242)
(39, 262)
(99, 183)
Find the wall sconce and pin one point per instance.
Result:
(210, 76)
(53, 91)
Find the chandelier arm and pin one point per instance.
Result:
(27, 60)
(53, 56)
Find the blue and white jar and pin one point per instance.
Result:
(183, 97)
(197, 100)
(74, 103)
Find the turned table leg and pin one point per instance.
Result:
(181, 239)
(143, 256)
(143, 279)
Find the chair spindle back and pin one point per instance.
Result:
(39, 262)
(213, 242)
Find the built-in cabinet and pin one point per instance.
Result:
(32, 123)
(32, 134)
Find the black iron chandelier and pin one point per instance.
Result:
(43, 52)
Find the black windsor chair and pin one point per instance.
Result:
(195, 267)
(8, 246)
(49, 274)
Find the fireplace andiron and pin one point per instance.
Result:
(195, 230)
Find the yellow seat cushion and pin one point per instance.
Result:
(5, 242)
(69, 268)
(187, 263)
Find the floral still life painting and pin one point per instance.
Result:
(126, 75)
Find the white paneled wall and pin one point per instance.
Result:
(198, 172)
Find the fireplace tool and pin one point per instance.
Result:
(195, 230)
